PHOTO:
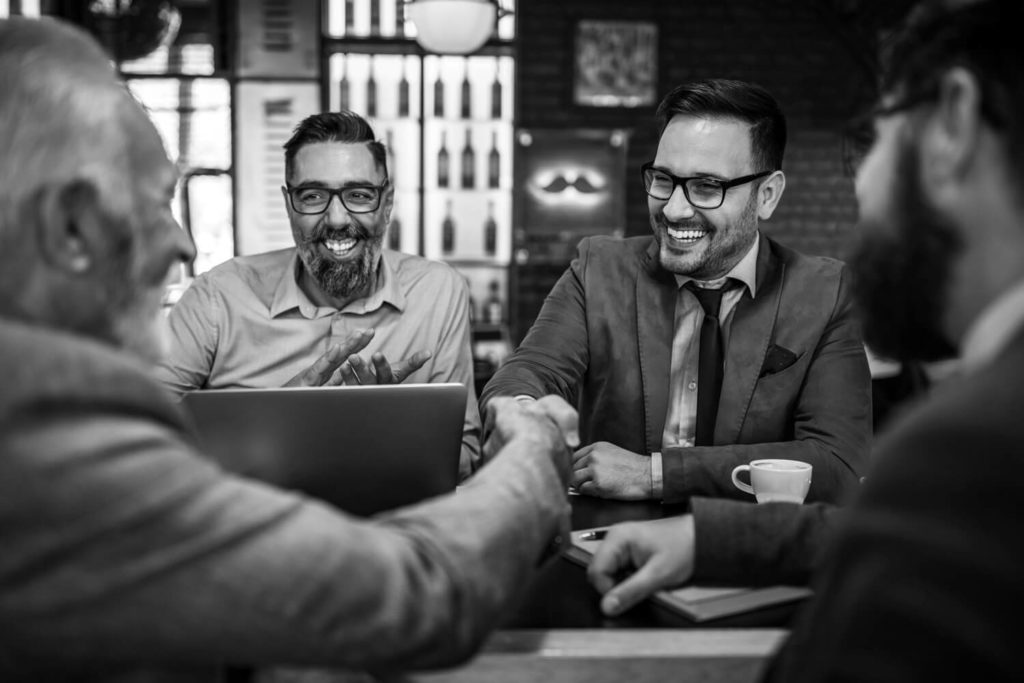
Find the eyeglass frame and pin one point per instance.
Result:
(678, 181)
(332, 193)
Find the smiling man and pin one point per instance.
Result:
(707, 345)
(301, 316)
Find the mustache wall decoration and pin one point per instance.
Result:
(559, 184)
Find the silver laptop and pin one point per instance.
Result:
(363, 449)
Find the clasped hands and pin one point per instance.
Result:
(341, 365)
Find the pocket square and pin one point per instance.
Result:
(776, 360)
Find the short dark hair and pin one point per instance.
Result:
(334, 126)
(981, 36)
(750, 103)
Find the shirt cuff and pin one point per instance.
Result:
(525, 398)
(657, 479)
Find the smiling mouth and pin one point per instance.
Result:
(686, 235)
(342, 247)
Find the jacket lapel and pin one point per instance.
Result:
(751, 331)
(655, 324)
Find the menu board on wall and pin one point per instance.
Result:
(278, 39)
(266, 113)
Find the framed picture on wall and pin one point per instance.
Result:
(615, 63)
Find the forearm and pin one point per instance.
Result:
(234, 571)
(751, 544)
(707, 470)
(555, 353)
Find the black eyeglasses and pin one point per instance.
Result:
(355, 198)
(700, 192)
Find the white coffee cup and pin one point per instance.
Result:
(773, 481)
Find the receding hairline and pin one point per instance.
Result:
(62, 106)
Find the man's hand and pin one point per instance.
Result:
(661, 553)
(549, 423)
(341, 365)
(607, 471)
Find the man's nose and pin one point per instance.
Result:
(336, 213)
(182, 243)
(677, 207)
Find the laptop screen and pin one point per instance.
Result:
(363, 449)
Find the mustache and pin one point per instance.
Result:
(323, 232)
(696, 222)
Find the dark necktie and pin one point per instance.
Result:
(709, 364)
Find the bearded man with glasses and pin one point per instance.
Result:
(337, 308)
(707, 345)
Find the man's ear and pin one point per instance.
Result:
(73, 228)
(769, 193)
(287, 201)
(951, 133)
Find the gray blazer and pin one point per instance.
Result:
(796, 381)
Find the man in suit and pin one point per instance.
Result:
(124, 550)
(624, 327)
(921, 581)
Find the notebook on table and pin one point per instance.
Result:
(699, 603)
(364, 449)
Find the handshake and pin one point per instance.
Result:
(549, 426)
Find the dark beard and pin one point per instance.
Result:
(345, 279)
(715, 259)
(902, 271)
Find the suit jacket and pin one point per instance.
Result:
(123, 548)
(923, 581)
(605, 334)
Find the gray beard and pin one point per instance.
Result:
(343, 280)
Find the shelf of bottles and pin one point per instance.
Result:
(464, 134)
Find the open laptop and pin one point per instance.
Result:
(364, 449)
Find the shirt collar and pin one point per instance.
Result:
(288, 295)
(993, 329)
(745, 271)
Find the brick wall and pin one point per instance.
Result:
(817, 57)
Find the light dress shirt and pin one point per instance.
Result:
(247, 323)
(681, 417)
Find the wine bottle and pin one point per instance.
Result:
(343, 89)
(490, 232)
(371, 94)
(399, 17)
(468, 162)
(448, 231)
(494, 310)
(494, 163)
(374, 17)
(403, 93)
(496, 92)
(389, 154)
(350, 18)
(442, 163)
(466, 92)
(439, 95)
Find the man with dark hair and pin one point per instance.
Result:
(300, 316)
(124, 550)
(922, 579)
(670, 399)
